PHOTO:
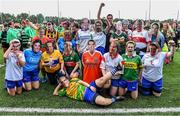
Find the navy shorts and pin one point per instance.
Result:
(115, 82)
(13, 84)
(89, 95)
(130, 85)
(148, 86)
(29, 76)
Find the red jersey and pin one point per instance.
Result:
(91, 66)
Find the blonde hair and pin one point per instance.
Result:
(131, 42)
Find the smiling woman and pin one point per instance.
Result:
(31, 68)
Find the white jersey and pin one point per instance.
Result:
(108, 63)
(83, 38)
(100, 39)
(141, 38)
(14, 72)
(153, 66)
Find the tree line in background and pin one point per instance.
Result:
(39, 18)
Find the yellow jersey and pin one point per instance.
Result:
(55, 59)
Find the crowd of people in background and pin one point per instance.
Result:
(112, 56)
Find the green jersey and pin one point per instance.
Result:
(30, 31)
(12, 34)
(70, 60)
(74, 91)
(121, 45)
(131, 67)
(24, 39)
(59, 29)
(104, 25)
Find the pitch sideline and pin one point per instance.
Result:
(99, 111)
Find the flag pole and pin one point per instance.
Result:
(178, 16)
(149, 10)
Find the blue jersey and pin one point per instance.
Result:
(32, 60)
(61, 44)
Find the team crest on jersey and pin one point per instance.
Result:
(131, 65)
(87, 60)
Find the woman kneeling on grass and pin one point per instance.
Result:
(14, 68)
(152, 74)
(31, 68)
(80, 90)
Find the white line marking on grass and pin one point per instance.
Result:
(98, 111)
